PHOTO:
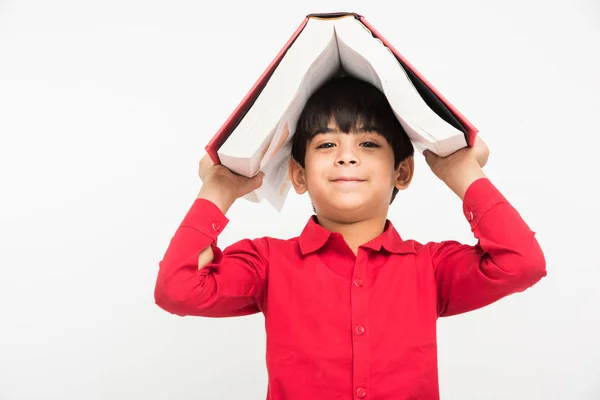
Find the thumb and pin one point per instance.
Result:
(429, 156)
(248, 185)
(257, 180)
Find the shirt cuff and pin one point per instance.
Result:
(204, 216)
(479, 198)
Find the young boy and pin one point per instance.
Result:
(350, 307)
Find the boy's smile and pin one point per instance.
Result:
(347, 180)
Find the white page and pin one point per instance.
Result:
(275, 161)
(279, 92)
(422, 124)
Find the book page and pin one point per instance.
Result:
(312, 47)
(274, 162)
(365, 55)
(326, 65)
(276, 184)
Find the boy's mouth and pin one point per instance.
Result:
(347, 179)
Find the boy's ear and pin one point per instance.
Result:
(404, 173)
(297, 176)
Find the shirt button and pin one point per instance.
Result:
(469, 216)
(359, 330)
(216, 226)
(358, 282)
(361, 392)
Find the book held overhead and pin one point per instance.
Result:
(257, 135)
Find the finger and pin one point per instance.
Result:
(257, 179)
(204, 165)
(481, 151)
(248, 185)
(429, 156)
(202, 169)
(206, 161)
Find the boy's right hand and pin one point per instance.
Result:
(222, 186)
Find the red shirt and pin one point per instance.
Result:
(341, 326)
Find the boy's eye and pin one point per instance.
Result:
(364, 144)
(370, 144)
(325, 145)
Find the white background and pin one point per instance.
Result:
(105, 108)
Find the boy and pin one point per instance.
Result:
(350, 307)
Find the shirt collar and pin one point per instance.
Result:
(314, 237)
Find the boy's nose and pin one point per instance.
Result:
(346, 155)
(343, 161)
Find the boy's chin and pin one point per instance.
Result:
(348, 208)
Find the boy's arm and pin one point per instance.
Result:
(230, 283)
(506, 259)
(197, 278)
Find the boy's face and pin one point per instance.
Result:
(350, 175)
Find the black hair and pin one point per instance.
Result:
(353, 103)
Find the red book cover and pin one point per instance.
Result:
(430, 94)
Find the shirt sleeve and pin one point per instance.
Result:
(233, 284)
(506, 259)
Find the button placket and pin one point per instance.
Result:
(360, 325)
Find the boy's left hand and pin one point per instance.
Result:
(460, 169)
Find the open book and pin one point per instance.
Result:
(257, 136)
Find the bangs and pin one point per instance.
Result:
(352, 108)
(346, 114)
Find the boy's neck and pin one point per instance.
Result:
(355, 233)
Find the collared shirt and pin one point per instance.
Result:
(340, 326)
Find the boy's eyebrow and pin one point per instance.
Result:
(362, 129)
(323, 130)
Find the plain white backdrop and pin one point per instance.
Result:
(105, 108)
